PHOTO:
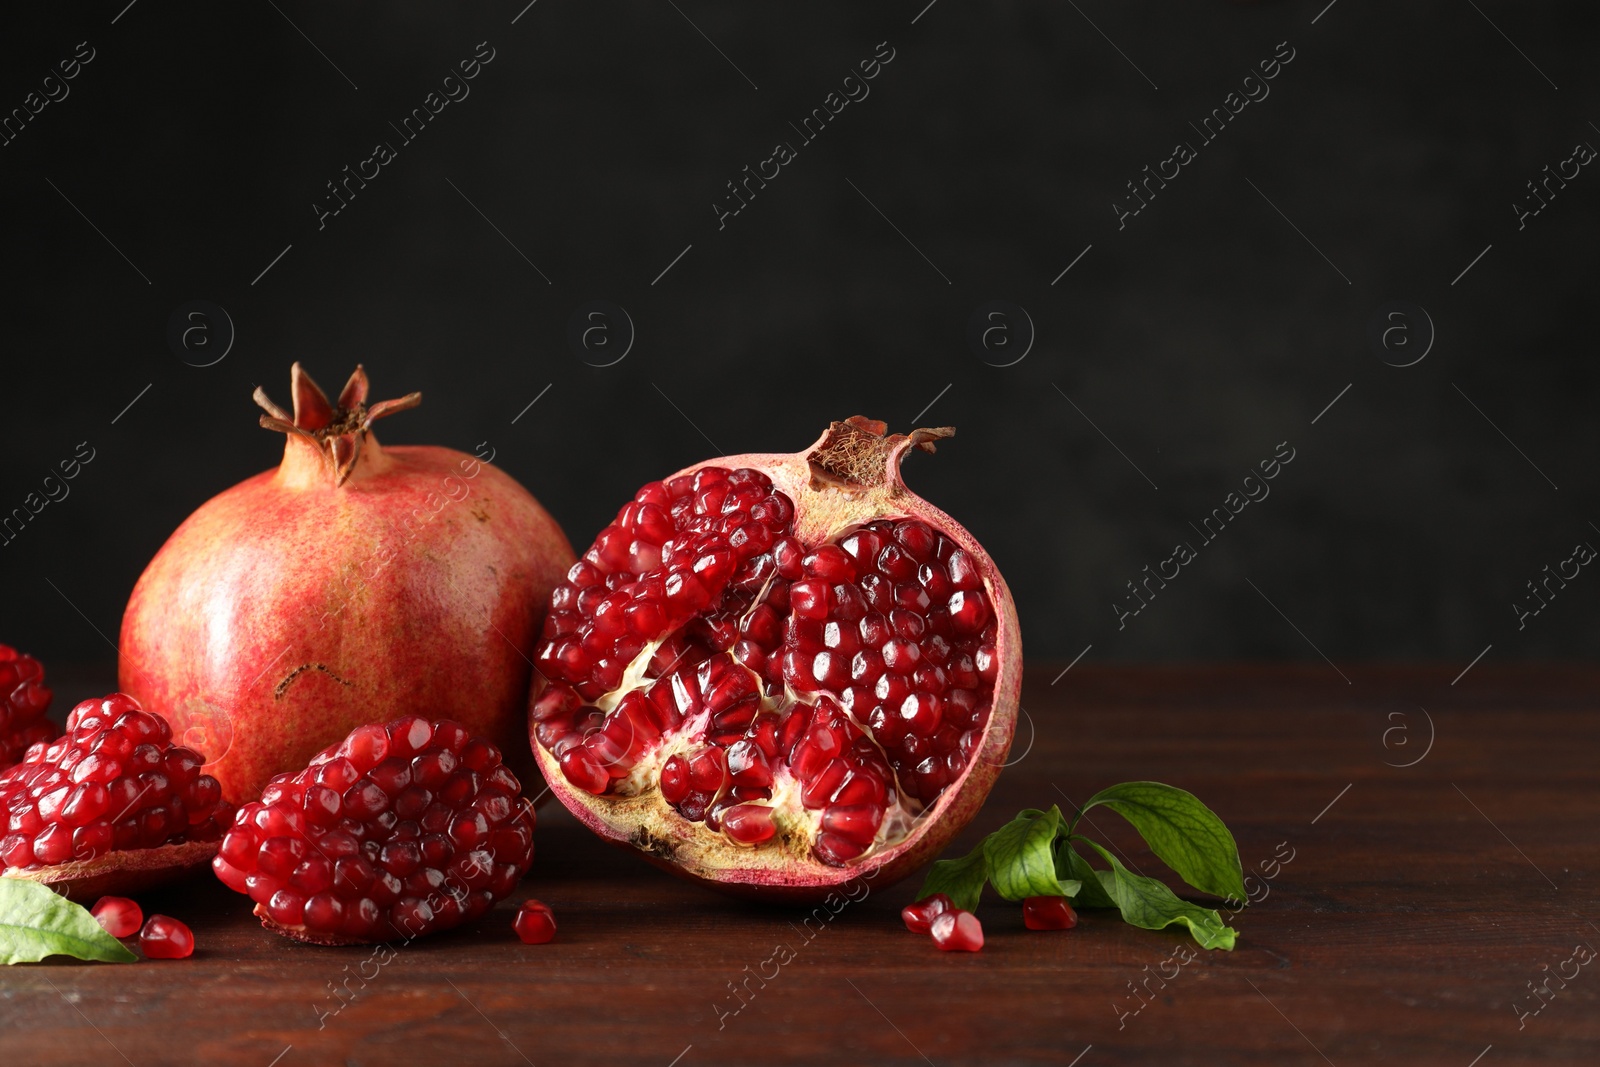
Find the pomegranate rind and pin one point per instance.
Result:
(825, 509)
(301, 934)
(122, 873)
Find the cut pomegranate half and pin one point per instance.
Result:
(779, 672)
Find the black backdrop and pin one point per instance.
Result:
(184, 161)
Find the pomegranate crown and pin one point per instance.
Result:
(336, 431)
(858, 453)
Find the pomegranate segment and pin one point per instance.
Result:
(112, 804)
(24, 698)
(776, 663)
(399, 830)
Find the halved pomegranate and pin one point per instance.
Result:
(779, 672)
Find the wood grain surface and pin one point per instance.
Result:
(1419, 905)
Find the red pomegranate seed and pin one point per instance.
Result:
(921, 713)
(535, 923)
(919, 916)
(584, 771)
(747, 765)
(406, 829)
(748, 824)
(674, 779)
(957, 931)
(119, 916)
(1048, 913)
(969, 611)
(24, 698)
(165, 938)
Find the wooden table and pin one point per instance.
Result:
(1419, 904)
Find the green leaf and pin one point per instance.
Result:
(1090, 894)
(961, 880)
(1184, 833)
(35, 922)
(1021, 856)
(1150, 905)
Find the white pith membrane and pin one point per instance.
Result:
(701, 725)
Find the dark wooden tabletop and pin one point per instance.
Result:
(1421, 905)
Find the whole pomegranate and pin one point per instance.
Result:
(353, 582)
(777, 673)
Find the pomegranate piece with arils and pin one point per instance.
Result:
(774, 672)
(399, 830)
(24, 698)
(111, 805)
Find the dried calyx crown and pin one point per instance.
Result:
(856, 454)
(336, 431)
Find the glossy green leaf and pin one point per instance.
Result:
(36, 922)
(1183, 832)
(961, 880)
(1090, 894)
(1021, 856)
(1150, 905)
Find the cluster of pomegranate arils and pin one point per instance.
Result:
(857, 673)
(24, 698)
(113, 783)
(401, 829)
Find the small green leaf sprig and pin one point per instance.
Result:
(1040, 853)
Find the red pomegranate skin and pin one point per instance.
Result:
(290, 609)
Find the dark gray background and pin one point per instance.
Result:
(1196, 339)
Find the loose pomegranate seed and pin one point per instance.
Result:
(165, 938)
(1048, 913)
(119, 916)
(114, 782)
(535, 923)
(919, 916)
(887, 633)
(405, 829)
(957, 931)
(24, 698)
